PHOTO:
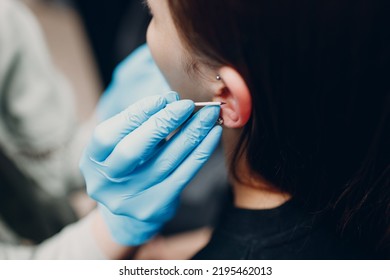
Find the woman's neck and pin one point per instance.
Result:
(252, 192)
(258, 197)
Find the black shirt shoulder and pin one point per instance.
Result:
(285, 232)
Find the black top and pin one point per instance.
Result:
(285, 232)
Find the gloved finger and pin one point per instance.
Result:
(164, 195)
(109, 133)
(181, 145)
(194, 162)
(133, 149)
(171, 97)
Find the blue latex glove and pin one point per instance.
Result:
(134, 78)
(136, 175)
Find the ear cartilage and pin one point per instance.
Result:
(201, 104)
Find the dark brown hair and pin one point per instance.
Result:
(319, 76)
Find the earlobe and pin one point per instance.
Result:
(235, 93)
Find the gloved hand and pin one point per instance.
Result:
(136, 175)
(134, 78)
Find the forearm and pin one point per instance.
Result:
(180, 246)
(87, 239)
(104, 241)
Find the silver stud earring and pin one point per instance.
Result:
(220, 119)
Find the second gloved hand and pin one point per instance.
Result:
(136, 77)
(136, 175)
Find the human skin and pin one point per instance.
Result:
(172, 57)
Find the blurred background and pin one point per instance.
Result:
(88, 38)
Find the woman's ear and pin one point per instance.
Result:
(234, 92)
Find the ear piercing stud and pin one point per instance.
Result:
(220, 119)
